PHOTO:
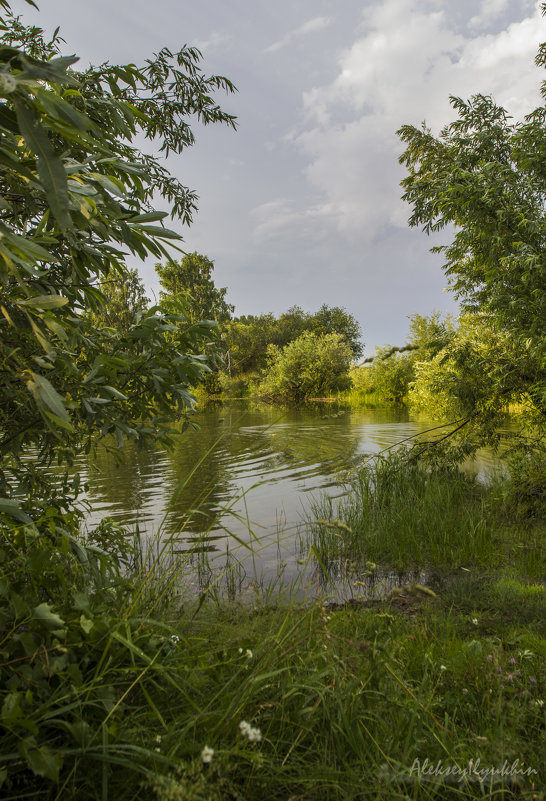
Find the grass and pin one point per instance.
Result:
(123, 691)
(403, 515)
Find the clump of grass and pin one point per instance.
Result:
(399, 513)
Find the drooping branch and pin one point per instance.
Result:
(389, 353)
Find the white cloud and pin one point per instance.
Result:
(404, 63)
(312, 25)
(490, 10)
(213, 41)
(275, 218)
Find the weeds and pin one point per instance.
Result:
(113, 687)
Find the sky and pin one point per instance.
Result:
(301, 205)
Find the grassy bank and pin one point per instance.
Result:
(112, 687)
(403, 515)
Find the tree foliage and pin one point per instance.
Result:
(123, 301)
(484, 174)
(76, 198)
(247, 338)
(191, 279)
(310, 366)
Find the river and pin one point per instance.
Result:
(237, 490)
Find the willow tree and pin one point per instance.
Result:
(484, 179)
(77, 197)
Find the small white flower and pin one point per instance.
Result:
(248, 653)
(254, 735)
(158, 738)
(206, 755)
(443, 667)
(175, 638)
(539, 702)
(465, 691)
(474, 621)
(240, 650)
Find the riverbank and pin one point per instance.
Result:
(120, 689)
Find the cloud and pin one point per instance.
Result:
(312, 25)
(213, 41)
(490, 10)
(402, 66)
(281, 217)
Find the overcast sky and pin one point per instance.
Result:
(302, 204)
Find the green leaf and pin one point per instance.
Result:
(86, 623)
(11, 507)
(157, 230)
(50, 168)
(11, 708)
(44, 762)
(151, 216)
(46, 395)
(44, 301)
(45, 615)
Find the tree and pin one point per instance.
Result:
(191, 279)
(123, 300)
(309, 366)
(485, 175)
(390, 374)
(76, 196)
(337, 320)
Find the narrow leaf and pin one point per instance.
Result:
(44, 302)
(46, 395)
(50, 167)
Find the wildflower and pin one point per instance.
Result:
(489, 657)
(465, 691)
(539, 702)
(511, 661)
(158, 738)
(254, 735)
(240, 650)
(248, 653)
(443, 667)
(532, 680)
(175, 639)
(206, 755)
(509, 677)
(474, 621)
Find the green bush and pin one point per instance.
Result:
(310, 366)
(390, 376)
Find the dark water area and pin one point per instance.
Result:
(237, 490)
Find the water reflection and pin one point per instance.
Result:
(237, 488)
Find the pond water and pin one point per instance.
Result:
(238, 489)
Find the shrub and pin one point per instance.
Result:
(311, 365)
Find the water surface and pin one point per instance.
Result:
(239, 488)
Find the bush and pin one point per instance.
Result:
(390, 377)
(310, 366)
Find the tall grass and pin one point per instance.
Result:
(401, 514)
(115, 687)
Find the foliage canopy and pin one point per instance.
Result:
(191, 280)
(76, 199)
(484, 174)
(310, 366)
